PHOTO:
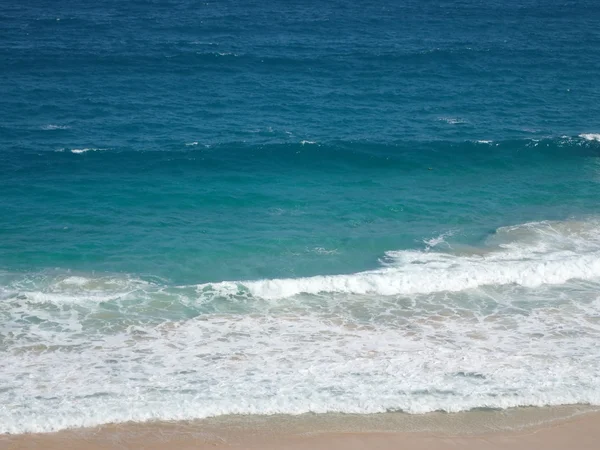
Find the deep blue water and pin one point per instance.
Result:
(183, 143)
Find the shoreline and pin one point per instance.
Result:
(573, 427)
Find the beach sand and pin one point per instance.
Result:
(574, 428)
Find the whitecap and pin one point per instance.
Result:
(590, 136)
(550, 254)
(85, 150)
(435, 241)
(55, 127)
(324, 251)
(452, 120)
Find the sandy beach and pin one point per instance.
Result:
(556, 428)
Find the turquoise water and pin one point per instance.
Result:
(241, 211)
(213, 208)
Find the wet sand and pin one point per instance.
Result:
(573, 428)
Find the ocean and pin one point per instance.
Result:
(286, 207)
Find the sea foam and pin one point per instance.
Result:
(51, 127)
(590, 136)
(510, 323)
(85, 150)
(544, 256)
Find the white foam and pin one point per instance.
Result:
(217, 54)
(457, 331)
(544, 253)
(435, 241)
(261, 364)
(324, 251)
(434, 273)
(452, 120)
(590, 136)
(76, 290)
(55, 127)
(190, 144)
(85, 150)
(307, 142)
(77, 281)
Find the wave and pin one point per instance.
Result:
(284, 143)
(530, 262)
(411, 336)
(528, 255)
(79, 151)
(316, 155)
(591, 136)
(453, 120)
(106, 409)
(441, 358)
(428, 273)
(55, 127)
